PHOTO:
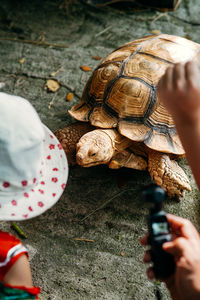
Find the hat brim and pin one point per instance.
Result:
(34, 201)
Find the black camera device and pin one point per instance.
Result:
(158, 228)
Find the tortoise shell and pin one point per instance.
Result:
(121, 93)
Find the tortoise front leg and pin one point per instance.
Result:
(127, 159)
(168, 174)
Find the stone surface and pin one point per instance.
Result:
(38, 38)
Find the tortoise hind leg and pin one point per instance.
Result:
(127, 159)
(168, 174)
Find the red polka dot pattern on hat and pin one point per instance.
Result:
(24, 182)
(63, 186)
(52, 146)
(41, 191)
(54, 179)
(6, 184)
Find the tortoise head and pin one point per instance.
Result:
(94, 148)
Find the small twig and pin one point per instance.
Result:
(36, 43)
(108, 36)
(84, 240)
(51, 102)
(105, 203)
(103, 31)
(177, 4)
(18, 230)
(158, 17)
(53, 74)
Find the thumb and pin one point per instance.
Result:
(177, 247)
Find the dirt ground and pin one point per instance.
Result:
(38, 38)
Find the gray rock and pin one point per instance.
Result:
(49, 39)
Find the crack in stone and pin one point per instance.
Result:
(14, 75)
(35, 43)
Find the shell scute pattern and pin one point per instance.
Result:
(122, 91)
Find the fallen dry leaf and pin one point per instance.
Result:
(69, 96)
(96, 57)
(156, 31)
(52, 85)
(85, 68)
(122, 253)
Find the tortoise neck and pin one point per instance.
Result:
(119, 142)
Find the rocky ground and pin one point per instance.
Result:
(41, 40)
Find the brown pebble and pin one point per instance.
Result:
(69, 96)
(96, 57)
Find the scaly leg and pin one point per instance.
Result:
(127, 159)
(168, 174)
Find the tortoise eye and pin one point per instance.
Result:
(91, 153)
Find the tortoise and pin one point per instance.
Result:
(132, 127)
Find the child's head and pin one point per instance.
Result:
(33, 166)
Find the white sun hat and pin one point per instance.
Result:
(33, 165)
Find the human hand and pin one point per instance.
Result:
(179, 90)
(184, 284)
